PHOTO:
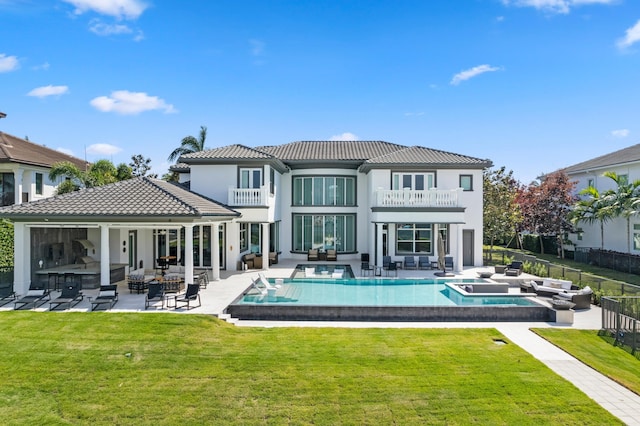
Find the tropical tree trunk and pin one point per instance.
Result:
(541, 244)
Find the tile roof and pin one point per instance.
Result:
(623, 156)
(16, 150)
(418, 155)
(228, 152)
(137, 198)
(331, 150)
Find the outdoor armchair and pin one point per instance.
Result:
(332, 255)
(423, 262)
(513, 269)
(410, 262)
(448, 262)
(312, 255)
(191, 296)
(155, 294)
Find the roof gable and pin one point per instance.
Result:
(16, 150)
(137, 197)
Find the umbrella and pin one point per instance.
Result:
(441, 252)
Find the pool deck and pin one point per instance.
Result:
(621, 402)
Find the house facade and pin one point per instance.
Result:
(625, 163)
(356, 197)
(24, 170)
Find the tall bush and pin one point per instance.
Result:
(6, 244)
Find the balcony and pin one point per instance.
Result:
(241, 197)
(442, 198)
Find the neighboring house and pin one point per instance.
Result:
(24, 170)
(352, 196)
(625, 162)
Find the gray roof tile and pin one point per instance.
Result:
(16, 150)
(623, 156)
(139, 197)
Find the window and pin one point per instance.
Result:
(466, 182)
(324, 231)
(274, 236)
(244, 241)
(415, 181)
(414, 238)
(39, 184)
(250, 178)
(590, 183)
(624, 179)
(272, 180)
(636, 236)
(256, 246)
(324, 191)
(7, 189)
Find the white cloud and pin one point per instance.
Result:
(120, 9)
(257, 47)
(344, 137)
(45, 66)
(103, 149)
(8, 63)
(130, 103)
(472, 72)
(632, 35)
(102, 29)
(44, 91)
(620, 133)
(554, 6)
(65, 151)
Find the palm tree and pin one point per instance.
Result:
(592, 209)
(624, 201)
(190, 144)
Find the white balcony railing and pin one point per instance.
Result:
(248, 196)
(417, 198)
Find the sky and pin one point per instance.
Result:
(532, 85)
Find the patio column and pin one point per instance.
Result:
(21, 254)
(459, 254)
(105, 270)
(378, 258)
(215, 251)
(188, 254)
(17, 178)
(265, 246)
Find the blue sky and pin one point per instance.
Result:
(533, 85)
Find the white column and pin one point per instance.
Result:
(21, 267)
(265, 246)
(105, 270)
(17, 177)
(188, 254)
(457, 264)
(378, 258)
(215, 251)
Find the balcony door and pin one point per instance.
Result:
(250, 178)
(414, 181)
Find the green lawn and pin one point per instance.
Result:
(131, 368)
(598, 353)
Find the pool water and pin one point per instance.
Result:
(376, 292)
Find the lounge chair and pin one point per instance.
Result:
(337, 273)
(550, 287)
(312, 255)
(7, 294)
(35, 297)
(155, 294)
(410, 262)
(424, 262)
(203, 279)
(448, 262)
(266, 284)
(107, 297)
(332, 255)
(190, 296)
(71, 295)
(513, 269)
(309, 272)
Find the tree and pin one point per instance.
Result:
(171, 177)
(99, 173)
(501, 213)
(590, 209)
(124, 172)
(546, 207)
(74, 177)
(140, 166)
(623, 201)
(190, 144)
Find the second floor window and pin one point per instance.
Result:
(39, 184)
(7, 189)
(324, 191)
(250, 178)
(415, 181)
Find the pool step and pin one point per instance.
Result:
(290, 292)
(227, 318)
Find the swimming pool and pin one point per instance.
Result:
(383, 299)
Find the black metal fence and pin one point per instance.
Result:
(618, 261)
(621, 321)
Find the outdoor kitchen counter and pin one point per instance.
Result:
(90, 273)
